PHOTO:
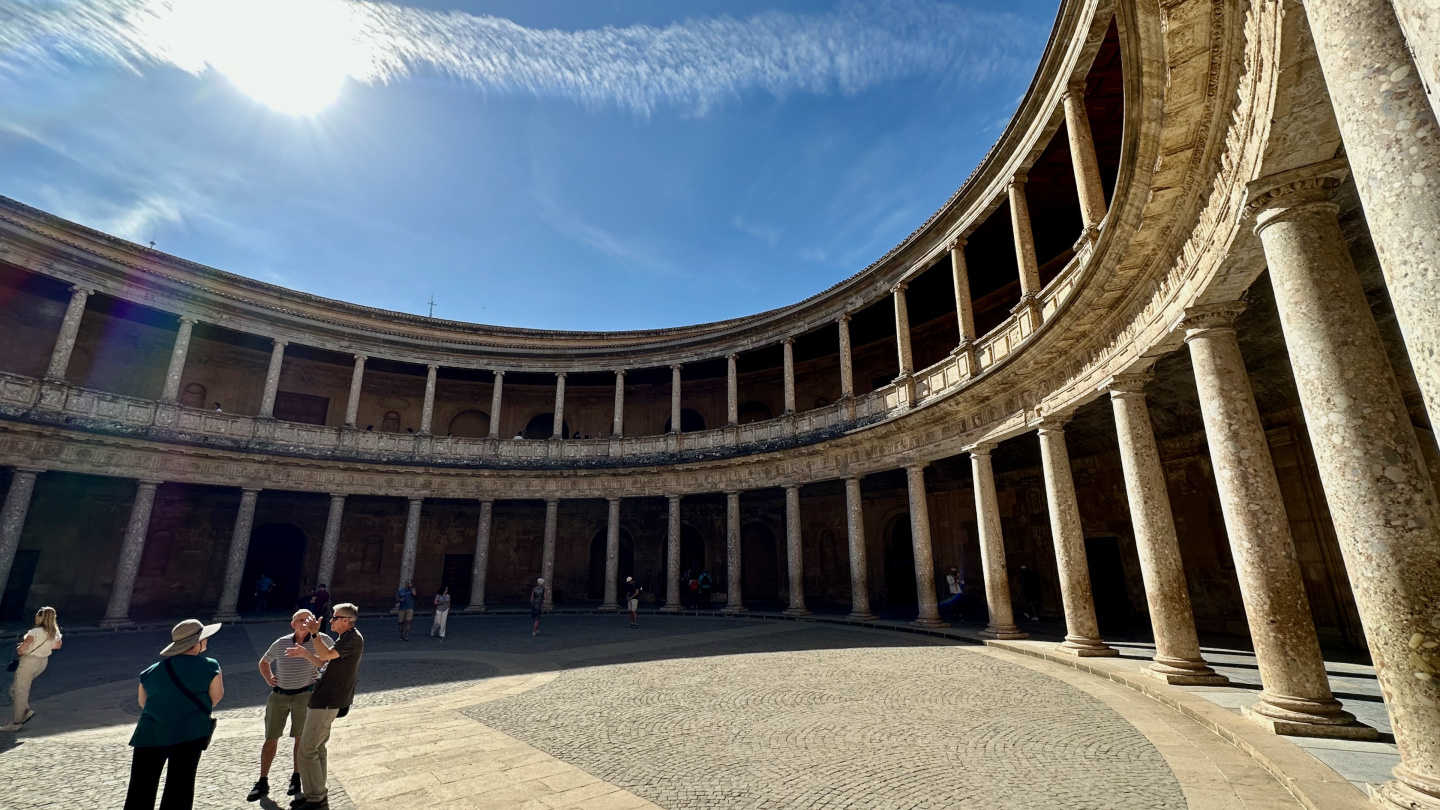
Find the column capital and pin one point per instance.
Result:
(149, 482)
(1129, 384)
(958, 243)
(676, 366)
(338, 496)
(415, 498)
(1075, 88)
(979, 448)
(360, 358)
(484, 501)
(432, 366)
(788, 487)
(673, 498)
(1210, 317)
(498, 372)
(1053, 422)
(733, 357)
(1271, 196)
(613, 499)
(1017, 180)
(190, 319)
(787, 341)
(279, 343)
(550, 501)
(251, 490)
(29, 470)
(619, 372)
(915, 466)
(843, 317)
(561, 374)
(732, 493)
(900, 286)
(80, 289)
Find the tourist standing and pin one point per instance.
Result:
(957, 593)
(32, 655)
(632, 599)
(177, 695)
(537, 603)
(405, 608)
(706, 585)
(291, 681)
(331, 699)
(442, 611)
(263, 586)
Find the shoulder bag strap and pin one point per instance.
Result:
(170, 670)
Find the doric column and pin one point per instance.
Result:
(902, 342)
(1082, 631)
(427, 412)
(672, 558)
(732, 389)
(734, 598)
(1422, 33)
(497, 391)
(330, 548)
(964, 305)
(1296, 698)
(924, 554)
(171, 391)
(1374, 476)
(794, 552)
(1083, 160)
(558, 427)
(1392, 141)
(547, 553)
(847, 366)
(12, 516)
(235, 558)
(117, 613)
(618, 427)
(412, 539)
(992, 547)
(69, 330)
(788, 344)
(480, 564)
(272, 379)
(859, 573)
(352, 403)
(675, 398)
(1028, 308)
(1177, 649)
(612, 557)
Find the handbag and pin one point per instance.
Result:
(170, 670)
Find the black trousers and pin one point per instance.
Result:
(145, 766)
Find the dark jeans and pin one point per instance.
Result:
(145, 767)
(262, 599)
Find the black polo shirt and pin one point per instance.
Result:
(336, 688)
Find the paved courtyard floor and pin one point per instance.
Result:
(685, 712)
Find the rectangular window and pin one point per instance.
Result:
(303, 408)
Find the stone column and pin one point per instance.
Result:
(672, 558)
(788, 344)
(1379, 492)
(272, 379)
(992, 547)
(412, 540)
(69, 330)
(734, 597)
(547, 554)
(1082, 158)
(558, 428)
(330, 548)
(847, 366)
(117, 612)
(1028, 308)
(1177, 649)
(171, 391)
(12, 517)
(618, 427)
(794, 552)
(427, 412)
(732, 390)
(1392, 140)
(612, 557)
(675, 398)
(1296, 698)
(924, 555)
(1082, 631)
(964, 305)
(1422, 33)
(859, 572)
(480, 565)
(497, 391)
(904, 356)
(352, 403)
(235, 558)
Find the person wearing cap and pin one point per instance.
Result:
(177, 695)
(331, 699)
(632, 599)
(290, 680)
(537, 604)
(405, 608)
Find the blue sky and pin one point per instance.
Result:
(588, 164)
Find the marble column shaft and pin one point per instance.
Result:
(272, 379)
(612, 556)
(330, 548)
(69, 331)
(117, 612)
(480, 566)
(903, 355)
(497, 395)
(171, 390)
(788, 345)
(1177, 648)
(547, 552)
(1376, 484)
(732, 389)
(1421, 26)
(1024, 239)
(427, 411)
(1082, 158)
(675, 399)
(235, 557)
(12, 517)
(672, 557)
(352, 402)
(1296, 691)
(859, 566)
(992, 548)
(734, 598)
(929, 613)
(1082, 631)
(794, 553)
(847, 366)
(557, 430)
(1392, 143)
(964, 305)
(412, 539)
(617, 426)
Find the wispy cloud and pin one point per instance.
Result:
(693, 65)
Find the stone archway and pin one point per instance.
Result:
(690, 421)
(471, 424)
(542, 425)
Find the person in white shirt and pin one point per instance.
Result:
(957, 593)
(442, 611)
(33, 655)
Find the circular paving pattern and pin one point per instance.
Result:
(877, 728)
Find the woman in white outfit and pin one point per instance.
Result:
(34, 654)
(442, 611)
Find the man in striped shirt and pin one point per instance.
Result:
(291, 680)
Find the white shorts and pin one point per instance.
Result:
(633, 605)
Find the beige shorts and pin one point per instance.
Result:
(407, 615)
(278, 707)
(633, 605)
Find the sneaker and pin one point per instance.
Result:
(262, 787)
(294, 789)
(29, 713)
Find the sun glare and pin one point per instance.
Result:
(290, 55)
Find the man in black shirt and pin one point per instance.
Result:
(632, 599)
(332, 697)
(537, 604)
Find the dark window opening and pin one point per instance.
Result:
(752, 411)
(303, 408)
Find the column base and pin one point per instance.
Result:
(799, 613)
(120, 623)
(670, 609)
(924, 622)
(734, 610)
(474, 609)
(1297, 717)
(1185, 672)
(865, 616)
(1003, 633)
(610, 607)
(1082, 647)
(1401, 795)
(226, 616)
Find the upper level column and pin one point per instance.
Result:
(272, 379)
(557, 431)
(847, 366)
(1083, 160)
(171, 391)
(788, 344)
(902, 342)
(617, 427)
(732, 390)
(964, 305)
(427, 412)
(357, 379)
(1028, 309)
(675, 398)
(497, 390)
(69, 330)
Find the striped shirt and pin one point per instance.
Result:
(293, 673)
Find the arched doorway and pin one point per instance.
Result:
(276, 549)
(542, 425)
(759, 563)
(470, 425)
(752, 411)
(689, 421)
(595, 588)
(899, 564)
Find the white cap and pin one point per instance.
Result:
(540, 581)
